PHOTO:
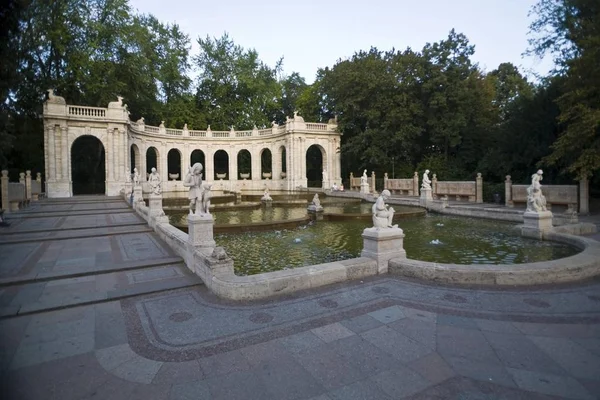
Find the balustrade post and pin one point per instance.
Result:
(28, 185)
(434, 186)
(373, 191)
(4, 190)
(508, 192)
(385, 180)
(416, 184)
(479, 188)
(584, 196)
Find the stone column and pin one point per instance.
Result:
(256, 170)
(46, 149)
(479, 188)
(65, 152)
(383, 244)
(373, 190)
(508, 192)
(58, 153)
(209, 167)
(233, 167)
(163, 164)
(28, 185)
(109, 154)
(416, 184)
(584, 196)
(434, 186)
(4, 189)
(51, 170)
(143, 167)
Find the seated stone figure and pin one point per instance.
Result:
(154, 181)
(382, 213)
(315, 201)
(266, 196)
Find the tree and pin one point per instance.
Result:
(570, 31)
(235, 88)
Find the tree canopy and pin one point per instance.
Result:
(404, 109)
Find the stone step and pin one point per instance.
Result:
(65, 234)
(78, 271)
(38, 297)
(68, 213)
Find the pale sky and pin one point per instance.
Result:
(313, 34)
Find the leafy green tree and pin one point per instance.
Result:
(570, 31)
(235, 88)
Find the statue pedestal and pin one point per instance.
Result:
(426, 196)
(314, 209)
(200, 230)
(364, 188)
(155, 204)
(137, 194)
(535, 224)
(383, 244)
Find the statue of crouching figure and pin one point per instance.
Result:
(382, 213)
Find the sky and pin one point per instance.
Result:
(313, 34)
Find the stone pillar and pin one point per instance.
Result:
(64, 144)
(508, 192)
(137, 193)
(28, 185)
(109, 155)
(373, 190)
(383, 244)
(536, 224)
(46, 149)
(385, 181)
(209, 167)
(163, 164)
(584, 196)
(416, 184)
(479, 188)
(156, 213)
(233, 167)
(350, 183)
(200, 230)
(4, 189)
(51, 171)
(255, 162)
(434, 186)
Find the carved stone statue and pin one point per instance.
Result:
(127, 175)
(426, 184)
(364, 178)
(536, 201)
(193, 180)
(154, 181)
(266, 196)
(116, 104)
(136, 177)
(382, 213)
(315, 201)
(52, 98)
(206, 196)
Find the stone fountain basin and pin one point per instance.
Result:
(580, 266)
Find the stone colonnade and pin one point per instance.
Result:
(120, 137)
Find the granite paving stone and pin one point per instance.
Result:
(239, 385)
(363, 355)
(197, 390)
(432, 367)
(401, 347)
(329, 333)
(573, 358)
(467, 343)
(387, 315)
(361, 390)
(138, 369)
(173, 373)
(361, 323)
(565, 387)
(301, 341)
(480, 371)
(224, 363)
(421, 331)
(400, 382)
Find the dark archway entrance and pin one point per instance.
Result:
(197, 156)
(266, 164)
(88, 169)
(174, 165)
(221, 163)
(244, 163)
(314, 166)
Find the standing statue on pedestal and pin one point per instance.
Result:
(154, 181)
(364, 178)
(136, 177)
(382, 213)
(193, 180)
(426, 184)
(127, 176)
(536, 201)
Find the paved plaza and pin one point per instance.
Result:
(93, 305)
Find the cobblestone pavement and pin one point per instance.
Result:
(166, 337)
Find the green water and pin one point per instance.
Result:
(461, 241)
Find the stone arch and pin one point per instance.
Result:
(152, 160)
(316, 163)
(283, 159)
(221, 163)
(266, 163)
(197, 156)
(174, 164)
(135, 158)
(88, 165)
(244, 164)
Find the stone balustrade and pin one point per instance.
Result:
(407, 187)
(355, 182)
(16, 195)
(458, 190)
(555, 194)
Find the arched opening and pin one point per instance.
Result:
(134, 156)
(221, 163)
(174, 164)
(88, 169)
(266, 164)
(244, 163)
(197, 156)
(283, 154)
(151, 160)
(315, 155)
